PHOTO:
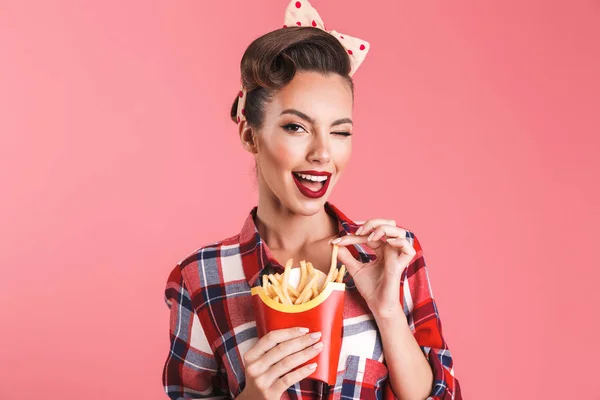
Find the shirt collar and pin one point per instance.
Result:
(256, 256)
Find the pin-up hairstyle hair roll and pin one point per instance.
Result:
(272, 60)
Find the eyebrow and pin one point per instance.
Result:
(312, 121)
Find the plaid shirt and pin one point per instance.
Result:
(212, 324)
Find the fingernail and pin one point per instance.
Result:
(303, 330)
(312, 366)
(318, 346)
(359, 230)
(315, 335)
(370, 237)
(390, 239)
(336, 241)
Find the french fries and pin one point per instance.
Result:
(341, 273)
(332, 269)
(277, 286)
(312, 271)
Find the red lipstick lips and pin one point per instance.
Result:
(306, 191)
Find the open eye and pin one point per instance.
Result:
(292, 128)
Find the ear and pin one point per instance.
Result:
(247, 137)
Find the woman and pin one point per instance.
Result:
(294, 114)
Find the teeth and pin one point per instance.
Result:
(313, 178)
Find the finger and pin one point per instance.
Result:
(271, 340)
(283, 350)
(388, 231)
(348, 240)
(346, 258)
(293, 377)
(292, 361)
(407, 251)
(374, 223)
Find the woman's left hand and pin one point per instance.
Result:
(378, 281)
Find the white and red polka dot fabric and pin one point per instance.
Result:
(302, 13)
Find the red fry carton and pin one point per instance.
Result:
(322, 314)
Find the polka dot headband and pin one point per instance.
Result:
(302, 13)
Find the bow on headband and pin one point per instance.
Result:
(302, 13)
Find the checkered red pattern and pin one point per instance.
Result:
(212, 324)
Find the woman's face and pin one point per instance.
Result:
(306, 130)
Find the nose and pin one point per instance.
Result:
(320, 151)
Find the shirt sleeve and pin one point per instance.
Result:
(424, 319)
(191, 370)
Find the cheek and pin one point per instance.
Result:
(343, 155)
(285, 155)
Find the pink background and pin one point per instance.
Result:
(476, 127)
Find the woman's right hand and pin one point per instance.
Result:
(269, 362)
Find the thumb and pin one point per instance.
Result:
(346, 258)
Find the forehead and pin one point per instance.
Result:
(320, 96)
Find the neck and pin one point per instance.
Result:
(285, 230)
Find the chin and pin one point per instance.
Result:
(307, 206)
(308, 210)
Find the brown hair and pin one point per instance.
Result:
(272, 60)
